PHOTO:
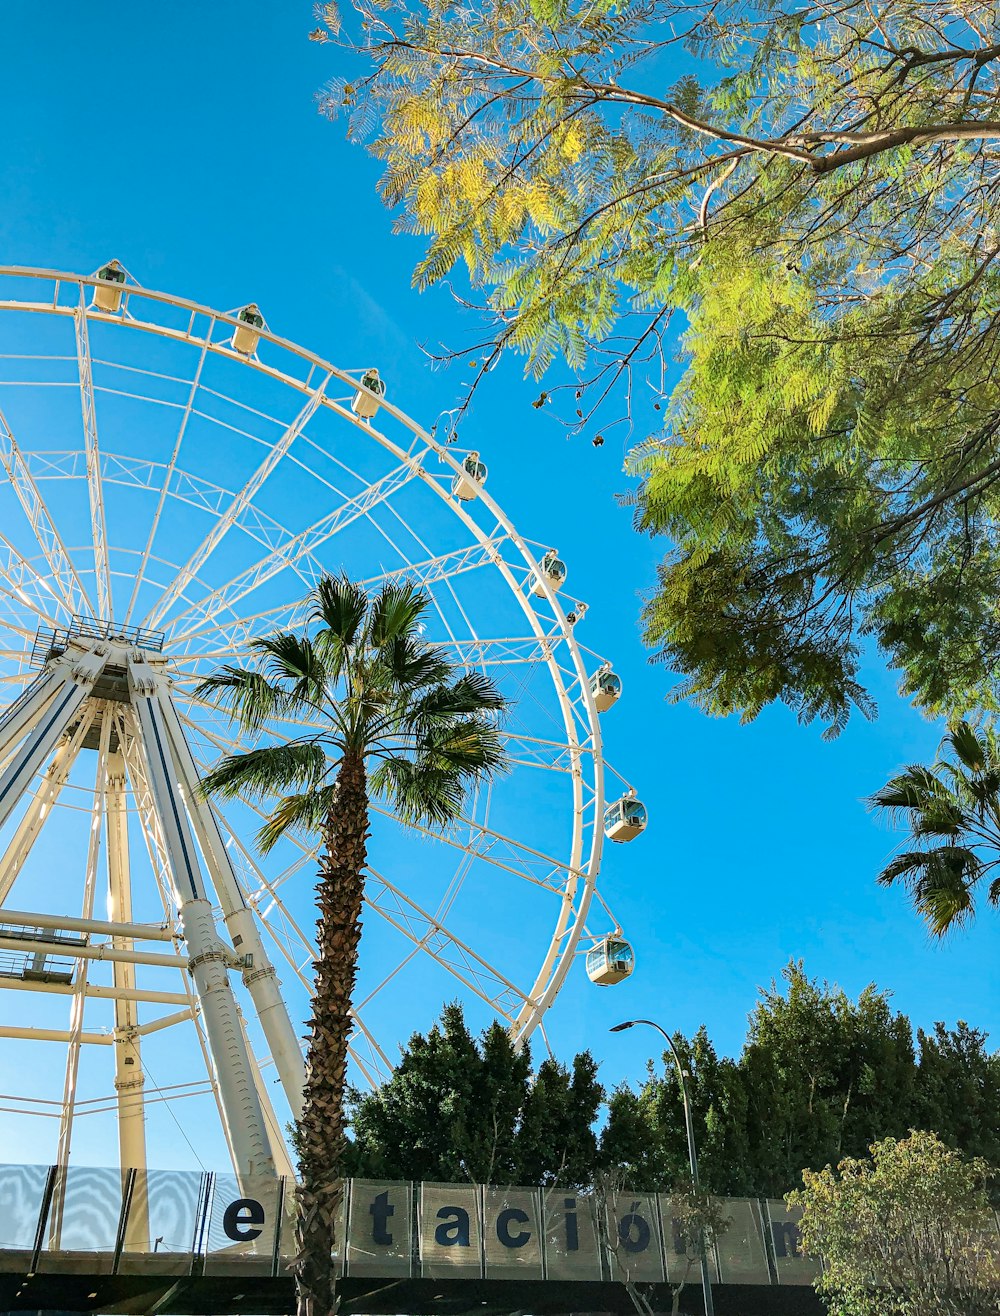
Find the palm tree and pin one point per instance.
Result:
(370, 711)
(953, 812)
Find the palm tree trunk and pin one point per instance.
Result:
(321, 1133)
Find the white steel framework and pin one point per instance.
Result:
(185, 508)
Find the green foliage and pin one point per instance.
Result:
(461, 1110)
(820, 1077)
(953, 813)
(907, 1233)
(815, 195)
(362, 683)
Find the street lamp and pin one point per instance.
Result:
(706, 1283)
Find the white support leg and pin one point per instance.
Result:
(78, 674)
(243, 1118)
(41, 806)
(129, 1077)
(259, 976)
(80, 985)
(26, 709)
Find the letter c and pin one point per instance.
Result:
(507, 1239)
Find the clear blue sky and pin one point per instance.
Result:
(185, 141)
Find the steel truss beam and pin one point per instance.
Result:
(62, 572)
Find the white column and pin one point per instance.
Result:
(50, 722)
(243, 1118)
(25, 710)
(40, 808)
(259, 976)
(129, 1077)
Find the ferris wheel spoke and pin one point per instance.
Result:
(550, 755)
(168, 477)
(296, 549)
(95, 485)
(20, 576)
(501, 852)
(64, 576)
(450, 951)
(238, 504)
(443, 567)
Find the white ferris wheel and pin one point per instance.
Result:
(174, 480)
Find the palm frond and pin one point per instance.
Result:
(910, 790)
(270, 770)
(249, 696)
(904, 865)
(292, 658)
(943, 891)
(409, 665)
(470, 746)
(417, 791)
(302, 812)
(395, 612)
(339, 604)
(970, 747)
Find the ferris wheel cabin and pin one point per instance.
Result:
(246, 336)
(368, 397)
(606, 688)
(109, 296)
(625, 819)
(609, 962)
(466, 486)
(551, 569)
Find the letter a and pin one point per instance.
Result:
(455, 1230)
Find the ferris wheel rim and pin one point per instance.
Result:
(571, 923)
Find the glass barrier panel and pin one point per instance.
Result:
(741, 1247)
(286, 1241)
(634, 1238)
(381, 1221)
(512, 1229)
(572, 1248)
(680, 1250)
(22, 1191)
(792, 1264)
(242, 1220)
(83, 1220)
(450, 1231)
(163, 1216)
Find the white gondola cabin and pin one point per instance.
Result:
(606, 688)
(246, 336)
(108, 293)
(625, 819)
(369, 395)
(466, 486)
(551, 569)
(610, 961)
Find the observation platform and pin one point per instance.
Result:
(85, 1239)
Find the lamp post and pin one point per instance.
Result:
(706, 1283)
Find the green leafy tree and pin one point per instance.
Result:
(824, 1077)
(645, 1137)
(957, 1091)
(815, 195)
(820, 1076)
(953, 812)
(461, 1110)
(357, 707)
(907, 1233)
